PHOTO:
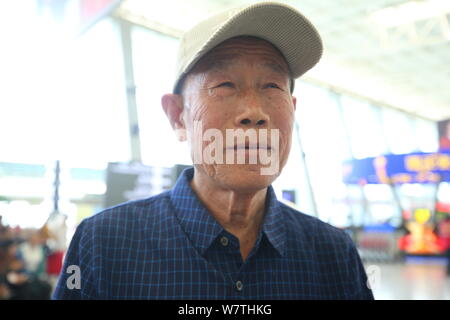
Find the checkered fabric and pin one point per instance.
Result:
(170, 247)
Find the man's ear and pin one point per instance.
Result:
(172, 105)
(294, 101)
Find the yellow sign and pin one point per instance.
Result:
(422, 215)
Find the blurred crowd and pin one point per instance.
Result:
(30, 260)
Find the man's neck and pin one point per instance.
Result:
(239, 212)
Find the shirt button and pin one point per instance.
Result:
(239, 285)
(224, 241)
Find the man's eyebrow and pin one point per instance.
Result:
(218, 63)
(223, 62)
(278, 68)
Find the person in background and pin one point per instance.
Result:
(5, 262)
(33, 253)
(57, 246)
(13, 279)
(5, 231)
(444, 234)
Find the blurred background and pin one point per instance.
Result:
(82, 129)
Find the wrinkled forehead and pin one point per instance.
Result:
(233, 49)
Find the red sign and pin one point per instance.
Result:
(76, 16)
(92, 10)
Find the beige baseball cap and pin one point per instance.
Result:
(283, 26)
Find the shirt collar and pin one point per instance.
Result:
(201, 227)
(274, 227)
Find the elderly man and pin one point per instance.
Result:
(220, 233)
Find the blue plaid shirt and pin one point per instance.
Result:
(170, 247)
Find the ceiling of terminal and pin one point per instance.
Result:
(392, 52)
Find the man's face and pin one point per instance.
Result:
(241, 84)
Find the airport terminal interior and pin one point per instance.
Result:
(82, 129)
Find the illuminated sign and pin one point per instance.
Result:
(397, 169)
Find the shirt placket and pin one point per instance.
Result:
(229, 245)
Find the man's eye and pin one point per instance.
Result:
(226, 84)
(272, 85)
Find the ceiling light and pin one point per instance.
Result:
(410, 12)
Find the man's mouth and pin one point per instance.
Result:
(248, 146)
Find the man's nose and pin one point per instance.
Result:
(252, 115)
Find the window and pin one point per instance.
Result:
(363, 125)
(66, 102)
(323, 137)
(154, 57)
(399, 131)
(426, 135)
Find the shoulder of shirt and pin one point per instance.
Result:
(131, 212)
(313, 228)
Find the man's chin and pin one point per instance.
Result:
(244, 177)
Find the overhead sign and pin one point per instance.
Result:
(398, 169)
